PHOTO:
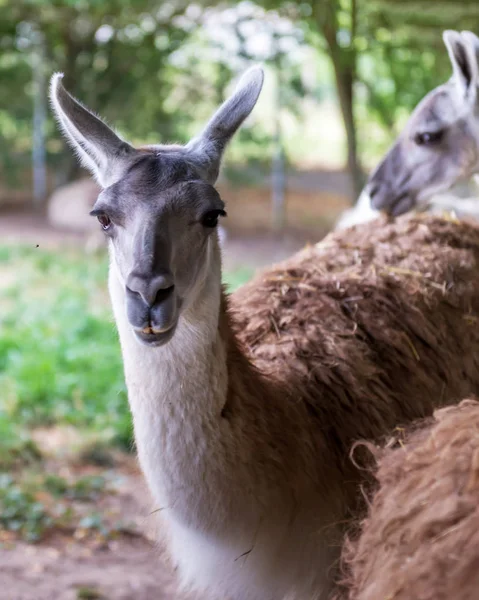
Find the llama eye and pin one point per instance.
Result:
(104, 222)
(428, 138)
(210, 219)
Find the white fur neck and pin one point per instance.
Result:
(175, 391)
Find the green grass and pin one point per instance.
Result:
(59, 354)
(60, 359)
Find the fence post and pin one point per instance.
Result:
(278, 179)
(39, 120)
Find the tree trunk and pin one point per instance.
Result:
(344, 83)
(344, 65)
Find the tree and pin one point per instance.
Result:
(331, 26)
(113, 53)
(402, 53)
(337, 21)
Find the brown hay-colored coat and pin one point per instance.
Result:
(372, 328)
(420, 540)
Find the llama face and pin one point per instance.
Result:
(158, 206)
(440, 143)
(161, 221)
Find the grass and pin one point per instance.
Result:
(60, 359)
(59, 354)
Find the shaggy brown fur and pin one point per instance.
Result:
(372, 328)
(421, 538)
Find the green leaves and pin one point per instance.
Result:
(109, 52)
(60, 359)
(20, 512)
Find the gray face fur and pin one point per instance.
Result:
(158, 206)
(440, 144)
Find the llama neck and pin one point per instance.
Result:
(177, 391)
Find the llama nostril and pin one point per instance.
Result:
(131, 292)
(163, 294)
(159, 289)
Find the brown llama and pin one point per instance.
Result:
(245, 408)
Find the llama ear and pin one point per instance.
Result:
(463, 49)
(98, 147)
(207, 149)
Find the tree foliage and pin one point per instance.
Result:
(404, 55)
(110, 51)
(386, 54)
(150, 54)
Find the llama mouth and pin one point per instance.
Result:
(155, 337)
(401, 205)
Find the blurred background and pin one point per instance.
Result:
(342, 77)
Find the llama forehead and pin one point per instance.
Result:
(437, 110)
(160, 182)
(153, 174)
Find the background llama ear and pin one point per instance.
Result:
(207, 149)
(463, 49)
(100, 150)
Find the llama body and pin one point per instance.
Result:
(245, 408)
(421, 536)
(260, 530)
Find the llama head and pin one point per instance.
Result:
(440, 143)
(158, 205)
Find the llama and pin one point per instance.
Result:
(245, 407)
(421, 537)
(438, 147)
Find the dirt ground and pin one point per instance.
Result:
(65, 569)
(62, 570)
(67, 565)
(115, 560)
